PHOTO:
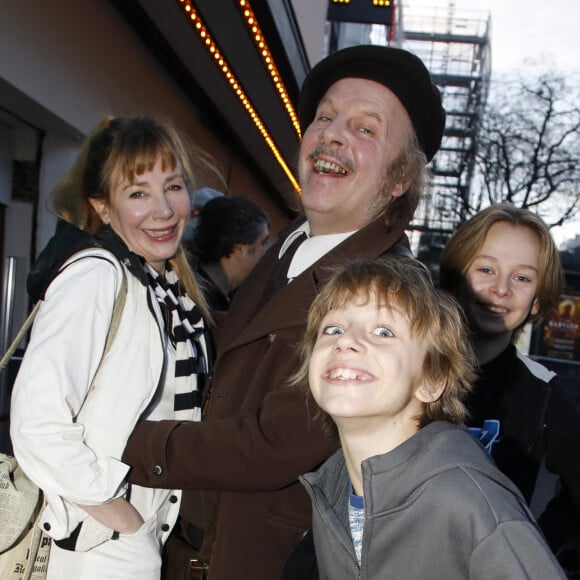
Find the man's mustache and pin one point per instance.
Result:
(336, 154)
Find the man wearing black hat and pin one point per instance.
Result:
(371, 120)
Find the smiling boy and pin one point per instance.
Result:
(503, 267)
(410, 494)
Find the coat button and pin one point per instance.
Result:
(157, 470)
(165, 527)
(173, 499)
(46, 526)
(271, 337)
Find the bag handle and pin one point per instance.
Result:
(18, 339)
(115, 321)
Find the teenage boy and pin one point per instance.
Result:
(410, 494)
(503, 267)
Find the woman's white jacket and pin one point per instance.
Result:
(69, 440)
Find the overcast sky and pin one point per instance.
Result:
(526, 33)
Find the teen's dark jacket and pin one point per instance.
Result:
(538, 421)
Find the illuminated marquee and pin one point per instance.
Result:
(365, 11)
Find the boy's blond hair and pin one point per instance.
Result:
(434, 317)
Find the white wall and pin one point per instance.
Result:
(81, 61)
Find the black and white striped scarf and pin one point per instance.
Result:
(183, 324)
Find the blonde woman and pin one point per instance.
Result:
(124, 207)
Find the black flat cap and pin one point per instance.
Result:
(400, 71)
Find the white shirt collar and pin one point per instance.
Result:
(302, 228)
(310, 250)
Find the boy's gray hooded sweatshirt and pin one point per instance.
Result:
(436, 507)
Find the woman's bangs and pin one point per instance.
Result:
(138, 160)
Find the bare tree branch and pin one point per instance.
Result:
(528, 148)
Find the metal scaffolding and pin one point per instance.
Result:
(454, 44)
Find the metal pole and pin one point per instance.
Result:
(8, 286)
(8, 289)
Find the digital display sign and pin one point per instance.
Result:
(362, 11)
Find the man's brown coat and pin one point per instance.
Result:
(258, 435)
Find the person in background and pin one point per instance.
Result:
(123, 209)
(198, 199)
(371, 119)
(231, 235)
(504, 268)
(410, 494)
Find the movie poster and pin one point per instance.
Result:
(561, 330)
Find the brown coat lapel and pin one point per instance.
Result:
(251, 319)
